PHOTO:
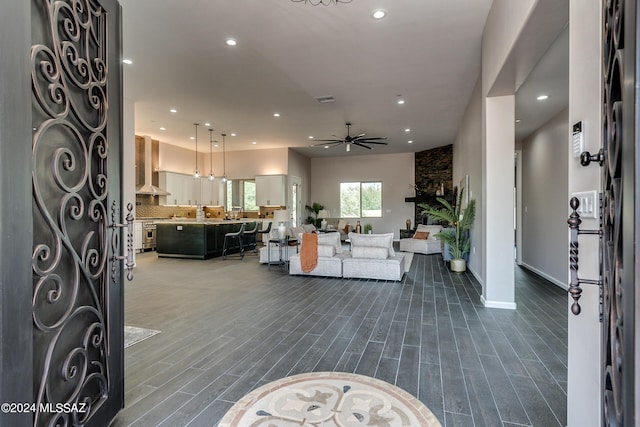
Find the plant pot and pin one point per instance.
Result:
(458, 265)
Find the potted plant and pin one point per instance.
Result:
(367, 228)
(315, 208)
(457, 236)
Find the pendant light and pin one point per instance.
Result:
(211, 175)
(224, 167)
(196, 172)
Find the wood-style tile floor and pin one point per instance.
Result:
(231, 326)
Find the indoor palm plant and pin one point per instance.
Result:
(459, 221)
(315, 208)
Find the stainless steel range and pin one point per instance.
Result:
(148, 235)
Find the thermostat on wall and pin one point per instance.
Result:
(578, 139)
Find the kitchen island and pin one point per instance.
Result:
(197, 239)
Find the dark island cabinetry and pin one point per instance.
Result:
(199, 240)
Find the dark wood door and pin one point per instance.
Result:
(77, 301)
(620, 217)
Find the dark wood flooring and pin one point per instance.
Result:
(231, 326)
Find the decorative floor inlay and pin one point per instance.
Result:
(329, 399)
(133, 335)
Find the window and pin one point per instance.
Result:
(360, 199)
(250, 196)
(241, 194)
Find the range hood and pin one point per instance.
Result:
(147, 188)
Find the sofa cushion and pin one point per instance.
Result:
(375, 240)
(326, 250)
(331, 238)
(308, 228)
(369, 252)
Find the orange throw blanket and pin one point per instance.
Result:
(309, 252)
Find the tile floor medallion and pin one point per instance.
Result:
(133, 335)
(329, 399)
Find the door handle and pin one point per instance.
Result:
(586, 158)
(575, 290)
(115, 241)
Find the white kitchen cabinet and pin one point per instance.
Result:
(210, 192)
(184, 189)
(271, 190)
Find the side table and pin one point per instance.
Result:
(283, 247)
(407, 234)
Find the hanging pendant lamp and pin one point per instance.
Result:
(224, 167)
(211, 175)
(196, 172)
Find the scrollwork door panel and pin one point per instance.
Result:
(77, 299)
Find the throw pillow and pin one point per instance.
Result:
(331, 239)
(373, 240)
(326, 250)
(369, 252)
(421, 235)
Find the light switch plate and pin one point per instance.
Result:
(589, 204)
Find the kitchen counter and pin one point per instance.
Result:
(188, 238)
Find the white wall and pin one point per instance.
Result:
(544, 200)
(396, 171)
(583, 390)
(467, 160)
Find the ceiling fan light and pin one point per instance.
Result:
(348, 147)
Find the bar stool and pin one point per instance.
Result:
(230, 237)
(263, 232)
(250, 238)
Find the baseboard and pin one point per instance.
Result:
(545, 275)
(476, 275)
(498, 304)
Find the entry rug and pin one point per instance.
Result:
(327, 399)
(133, 335)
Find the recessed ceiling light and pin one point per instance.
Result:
(215, 145)
(378, 14)
(410, 142)
(326, 146)
(253, 142)
(231, 42)
(207, 124)
(276, 114)
(407, 130)
(517, 120)
(400, 101)
(173, 110)
(163, 128)
(543, 97)
(192, 137)
(127, 61)
(310, 136)
(233, 134)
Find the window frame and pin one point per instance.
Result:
(360, 210)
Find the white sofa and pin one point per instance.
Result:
(372, 257)
(330, 257)
(430, 245)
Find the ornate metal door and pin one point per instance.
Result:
(618, 231)
(76, 175)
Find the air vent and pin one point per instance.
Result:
(325, 99)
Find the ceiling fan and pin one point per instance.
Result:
(359, 140)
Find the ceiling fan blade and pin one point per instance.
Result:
(361, 145)
(372, 138)
(359, 136)
(329, 140)
(373, 142)
(327, 143)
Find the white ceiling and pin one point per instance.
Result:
(426, 52)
